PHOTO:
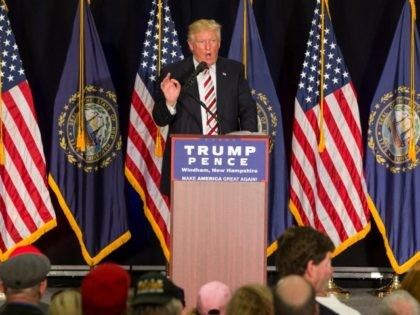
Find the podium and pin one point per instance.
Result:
(218, 211)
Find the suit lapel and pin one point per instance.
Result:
(192, 91)
(222, 84)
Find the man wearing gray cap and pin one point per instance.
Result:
(23, 280)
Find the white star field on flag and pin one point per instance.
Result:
(11, 65)
(170, 50)
(335, 72)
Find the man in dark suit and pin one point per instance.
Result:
(179, 107)
(304, 251)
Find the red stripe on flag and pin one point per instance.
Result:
(310, 158)
(27, 166)
(18, 203)
(143, 114)
(9, 224)
(138, 144)
(29, 186)
(149, 199)
(296, 201)
(336, 177)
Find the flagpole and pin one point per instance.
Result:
(158, 140)
(393, 285)
(2, 157)
(80, 142)
(244, 43)
(412, 144)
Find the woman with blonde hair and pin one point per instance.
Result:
(253, 299)
(66, 302)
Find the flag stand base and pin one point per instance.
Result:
(395, 284)
(333, 289)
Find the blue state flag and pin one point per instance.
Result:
(246, 47)
(393, 176)
(86, 170)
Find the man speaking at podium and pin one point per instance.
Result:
(203, 94)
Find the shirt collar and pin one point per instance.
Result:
(212, 68)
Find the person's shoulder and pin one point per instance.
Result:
(336, 305)
(323, 310)
(226, 62)
(20, 308)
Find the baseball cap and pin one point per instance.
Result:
(104, 290)
(25, 267)
(155, 288)
(213, 298)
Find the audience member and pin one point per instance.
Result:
(213, 298)
(255, 299)
(104, 290)
(411, 282)
(399, 302)
(293, 295)
(24, 280)
(305, 251)
(155, 294)
(66, 302)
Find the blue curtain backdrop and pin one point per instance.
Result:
(364, 30)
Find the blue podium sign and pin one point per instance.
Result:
(220, 158)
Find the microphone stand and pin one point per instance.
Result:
(208, 111)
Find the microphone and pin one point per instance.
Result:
(200, 68)
(213, 115)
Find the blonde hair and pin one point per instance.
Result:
(66, 302)
(204, 25)
(254, 299)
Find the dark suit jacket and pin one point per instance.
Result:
(236, 109)
(21, 309)
(323, 310)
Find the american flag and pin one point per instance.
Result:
(328, 189)
(26, 211)
(143, 166)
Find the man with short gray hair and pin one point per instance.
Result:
(24, 280)
(399, 302)
(293, 295)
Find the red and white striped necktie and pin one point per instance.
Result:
(210, 100)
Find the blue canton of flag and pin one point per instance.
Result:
(335, 71)
(269, 112)
(327, 184)
(160, 47)
(142, 165)
(89, 184)
(11, 65)
(26, 211)
(393, 179)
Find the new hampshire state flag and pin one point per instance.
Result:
(246, 47)
(393, 176)
(86, 170)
